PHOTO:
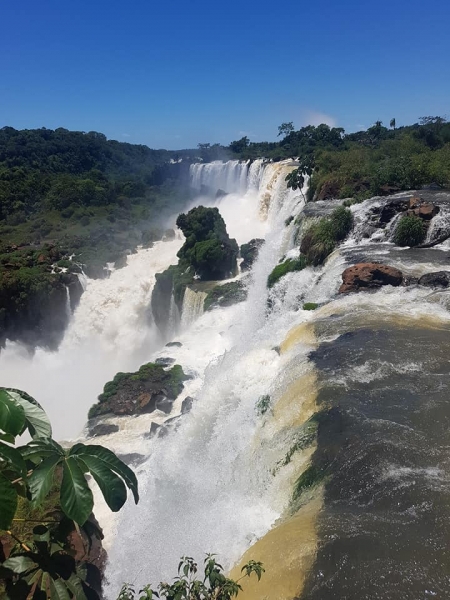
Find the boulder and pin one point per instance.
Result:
(249, 253)
(186, 405)
(103, 429)
(382, 215)
(435, 279)
(164, 361)
(149, 389)
(174, 345)
(369, 275)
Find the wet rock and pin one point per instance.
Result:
(103, 429)
(425, 211)
(435, 279)
(220, 194)
(154, 427)
(121, 262)
(133, 458)
(165, 361)
(415, 205)
(249, 253)
(174, 345)
(169, 234)
(186, 405)
(151, 388)
(369, 275)
(409, 280)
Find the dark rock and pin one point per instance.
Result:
(225, 294)
(369, 275)
(132, 459)
(329, 190)
(169, 234)
(186, 405)
(220, 194)
(153, 430)
(382, 215)
(164, 404)
(165, 361)
(410, 280)
(249, 253)
(121, 262)
(435, 279)
(174, 344)
(103, 429)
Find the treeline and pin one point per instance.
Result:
(379, 160)
(42, 169)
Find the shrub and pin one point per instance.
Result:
(410, 231)
(310, 306)
(321, 238)
(263, 404)
(285, 267)
(213, 585)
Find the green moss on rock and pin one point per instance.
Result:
(310, 306)
(321, 237)
(225, 295)
(151, 387)
(285, 267)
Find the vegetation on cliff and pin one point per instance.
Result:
(85, 196)
(318, 241)
(226, 294)
(208, 250)
(376, 161)
(151, 387)
(207, 254)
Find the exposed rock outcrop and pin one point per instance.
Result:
(369, 275)
(435, 279)
(382, 215)
(151, 388)
(249, 253)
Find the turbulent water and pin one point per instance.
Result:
(372, 367)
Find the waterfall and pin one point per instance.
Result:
(107, 333)
(192, 308)
(68, 305)
(230, 177)
(209, 487)
(355, 391)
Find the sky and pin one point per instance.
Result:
(177, 73)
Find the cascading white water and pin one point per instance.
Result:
(229, 177)
(193, 301)
(108, 333)
(208, 488)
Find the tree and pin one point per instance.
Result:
(213, 586)
(392, 124)
(43, 566)
(286, 129)
(239, 146)
(208, 249)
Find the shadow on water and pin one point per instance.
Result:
(384, 448)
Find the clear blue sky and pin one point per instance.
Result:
(178, 72)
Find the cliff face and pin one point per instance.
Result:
(36, 296)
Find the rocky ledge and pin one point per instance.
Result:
(151, 388)
(369, 275)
